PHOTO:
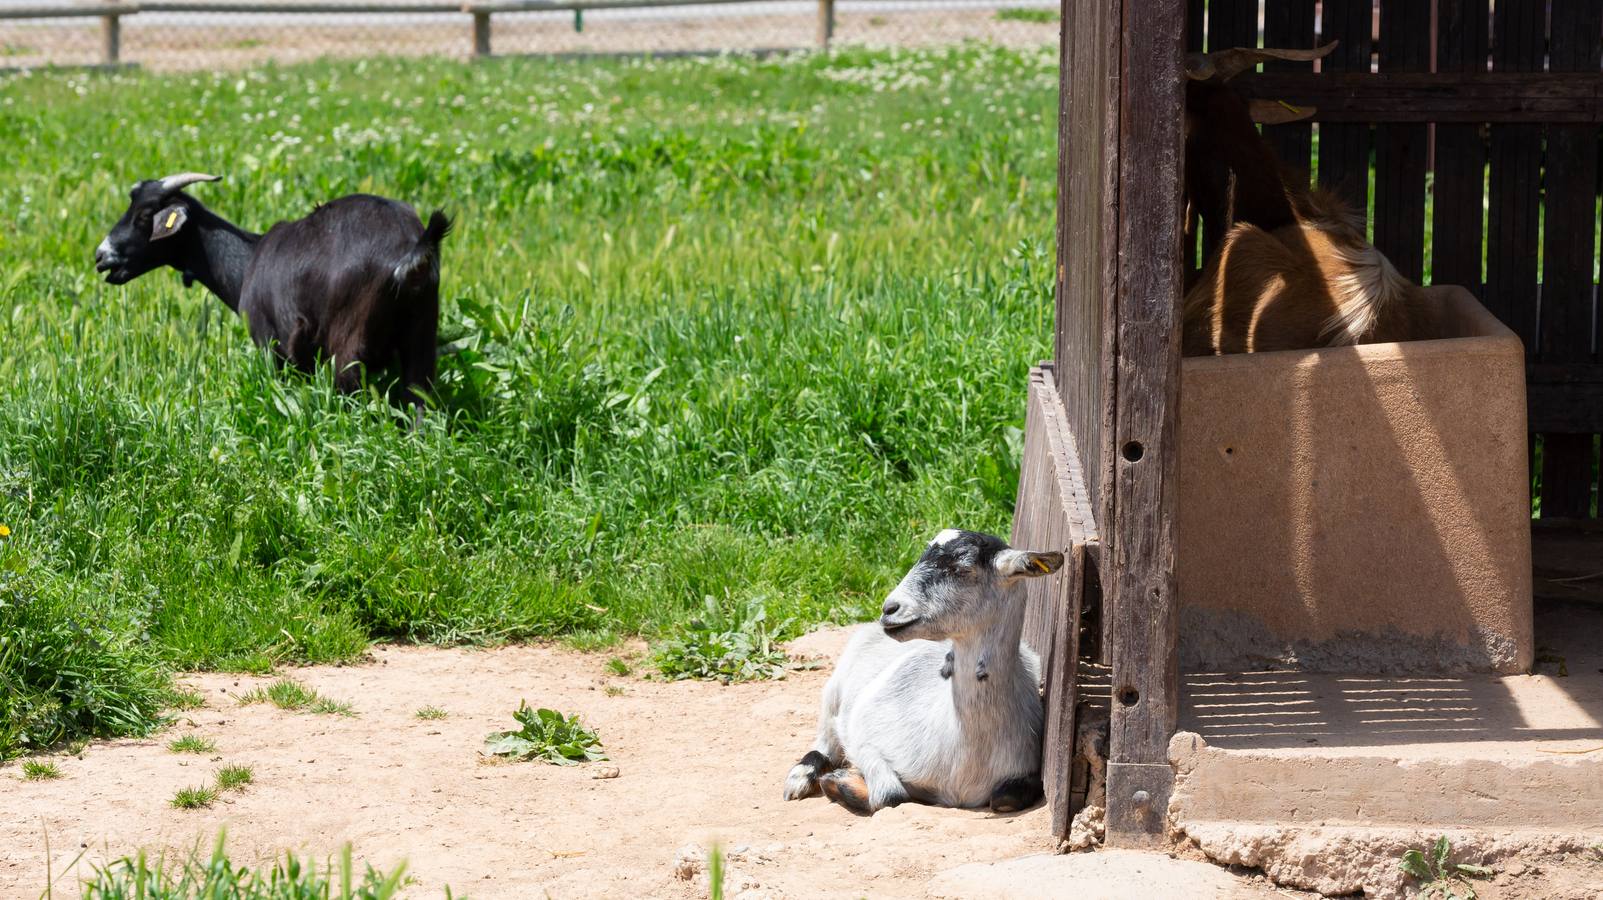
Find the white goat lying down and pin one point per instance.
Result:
(938, 701)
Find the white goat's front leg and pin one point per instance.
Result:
(826, 754)
(874, 786)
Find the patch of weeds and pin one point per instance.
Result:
(1440, 878)
(286, 693)
(430, 713)
(618, 666)
(193, 798)
(723, 645)
(232, 778)
(546, 734)
(247, 44)
(613, 690)
(219, 876)
(185, 698)
(325, 706)
(34, 770)
(192, 743)
(1040, 16)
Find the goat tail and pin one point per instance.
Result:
(424, 258)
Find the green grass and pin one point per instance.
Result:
(748, 330)
(546, 734)
(289, 878)
(430, 713)
(232, 778)
(194, 797)
(1028, 14)
(36, 770)
(287, 693)
(192, 743)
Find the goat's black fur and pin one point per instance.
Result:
(356, 282)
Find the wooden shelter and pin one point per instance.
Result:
(1479, 120)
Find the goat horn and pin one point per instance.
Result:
(179, 182)
(1223, 65)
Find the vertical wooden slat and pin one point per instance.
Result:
(826, 23)
(1400, 148)
(1516, 172)
(1087, 216)
(1052, 514)
(1141, 605)
(1459, 188)
(1232, 23)
(1344, 147)
(1289, 24)
(1196, 23)
(1571, 186)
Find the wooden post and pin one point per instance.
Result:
(826, 23)
(111, 38)
(1141, 603)
(481, 34)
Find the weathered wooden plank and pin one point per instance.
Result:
(1289, 24)
(1087, 213)
(1571, 188)
(1460, 172)
(1344, 147)
(1400, 148)
(1052, 513)
(1499, 96)
(1061, 693)
(1141, 602)
(1516, 172)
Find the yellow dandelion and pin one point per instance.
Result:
(4, 532)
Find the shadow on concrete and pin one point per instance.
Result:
(1260, 710)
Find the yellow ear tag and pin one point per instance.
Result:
(171, 218)
(1041, 564)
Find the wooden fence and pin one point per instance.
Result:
(112, 12)
(1480, 123)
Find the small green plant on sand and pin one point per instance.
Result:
(232, 778)
(715, 873)
(618, 666)
(192, 743)
(289, 878)
(34, 770)
(185, 698)
(194, 797)
(1439, 878)
(546, 734)
(286, 693)
(723, 645)
(429, 713)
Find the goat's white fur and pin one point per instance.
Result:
(912, 733)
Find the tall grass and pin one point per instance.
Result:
(746, 330)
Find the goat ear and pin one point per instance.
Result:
(168, 221)
(1029, 563)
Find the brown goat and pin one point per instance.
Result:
(1292, 269)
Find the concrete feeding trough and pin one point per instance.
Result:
(1359, 509)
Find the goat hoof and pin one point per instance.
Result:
(801, 783)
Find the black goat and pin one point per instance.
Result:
(357, 282)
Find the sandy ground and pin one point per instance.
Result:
(698, 762)
(213, 43)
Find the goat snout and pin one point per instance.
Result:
(105, 257)
(891, 608)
